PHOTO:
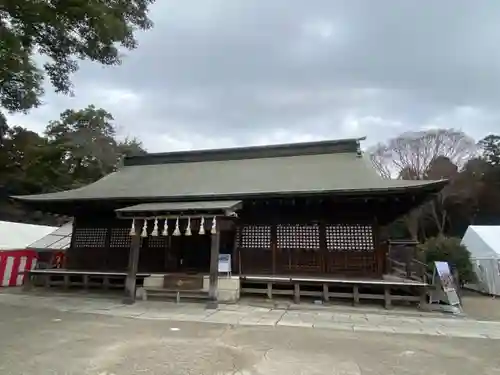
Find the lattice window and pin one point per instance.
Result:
(158, 242)
(350, 238)
(90, 237)
(298, 237)
(120, 237)
(255, 236)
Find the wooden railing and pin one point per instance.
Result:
(412, 269)
(402, 261)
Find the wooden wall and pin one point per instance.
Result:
(315, 249)
(270, 237)
(102, 242)
(308, 238)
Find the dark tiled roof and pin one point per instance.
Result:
(307, 168)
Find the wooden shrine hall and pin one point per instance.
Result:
(291, 217)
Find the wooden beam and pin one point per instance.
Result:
(133, 264)
(214, 272)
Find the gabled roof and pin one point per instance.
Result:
(279, 170)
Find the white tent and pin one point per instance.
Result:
(14, 236)
(483, 242)
(58, 239)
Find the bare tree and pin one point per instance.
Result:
(433, 154)
(410, 155)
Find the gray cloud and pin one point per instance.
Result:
(217, 73)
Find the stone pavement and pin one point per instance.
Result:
(43, 341)
(355, 320)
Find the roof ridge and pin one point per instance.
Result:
(347, 145)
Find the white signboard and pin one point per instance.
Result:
(225, 263)
(442, 271)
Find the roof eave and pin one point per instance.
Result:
(430, 186)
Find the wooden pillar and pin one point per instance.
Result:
(235, 258)
(274, 248)
(323, 248)
(296, 293)
(387, 297)
(379, 248)
(214, 272)
(28, 281)
(326, 293)
(269, 290)
(133, 264)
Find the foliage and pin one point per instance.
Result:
(59, 33)
(77, 149)
(490, 146)
(86, 145)
(448, 249)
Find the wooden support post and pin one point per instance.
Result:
(106, 283)
(387, 297)
(133, 265)
(274, 242)
(66, 281)
(235, 258)
(355, 293)
(270, 290)
(86, 282)
(214, 272)
(28, 281)
(326, 293)
(296, 293)
(423, 298)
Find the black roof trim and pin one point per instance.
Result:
(349, 145)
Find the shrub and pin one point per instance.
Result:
(448, 249)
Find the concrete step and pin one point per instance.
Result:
(174, 294)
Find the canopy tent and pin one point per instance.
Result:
(58, 239)
(483, 243)
(15, 236)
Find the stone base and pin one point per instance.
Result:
(228, 286)
(154, 281)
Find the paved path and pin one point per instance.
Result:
(241, 315)
(47, 341)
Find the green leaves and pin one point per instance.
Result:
(449, 249)
(60, 32)
(77, 149)
(491, 149)
(86, 141)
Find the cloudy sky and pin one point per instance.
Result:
(216, 73)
